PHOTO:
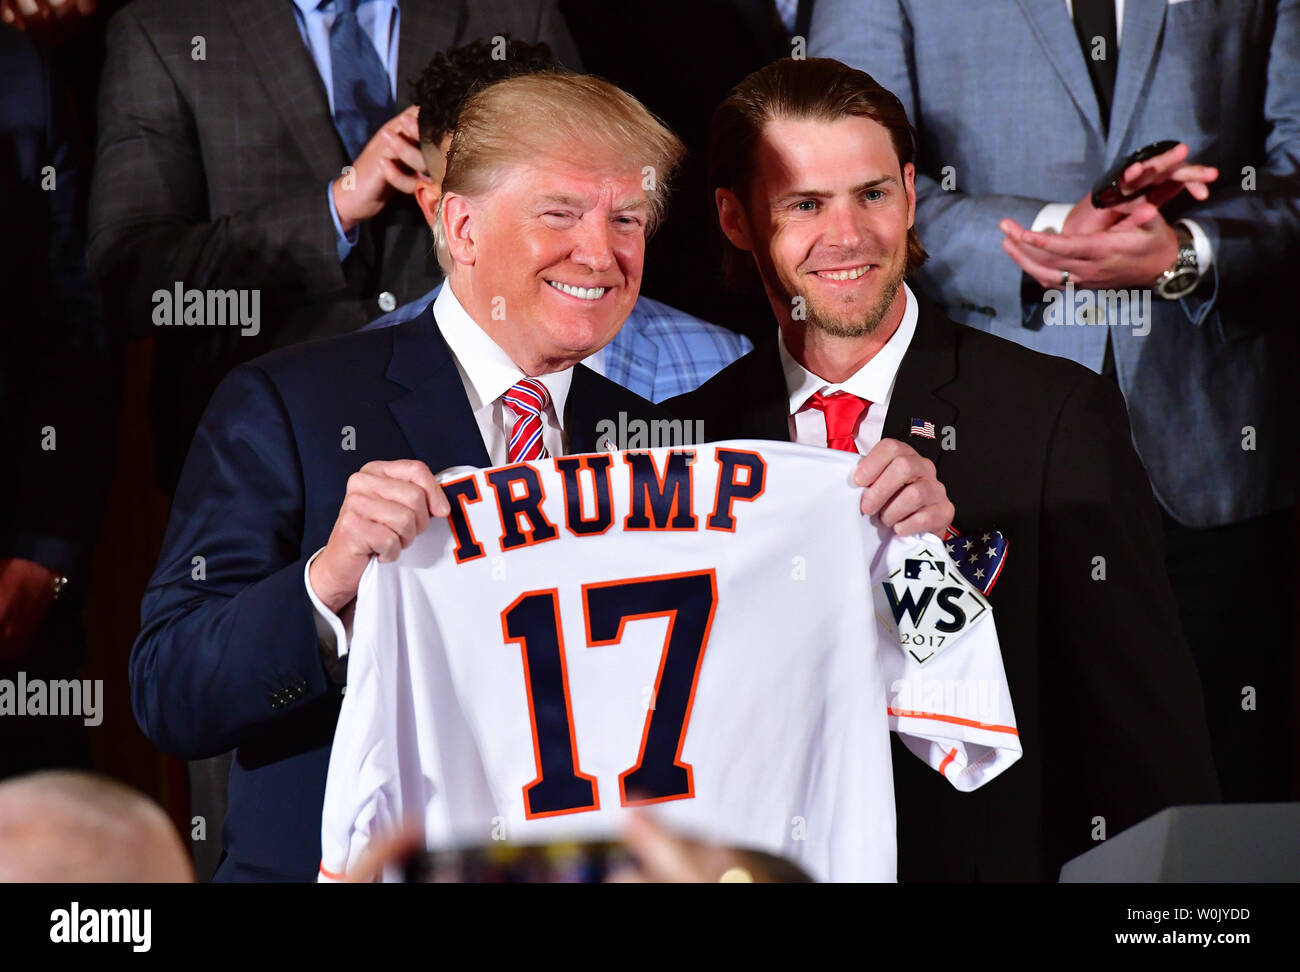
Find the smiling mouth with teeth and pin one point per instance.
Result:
(852, 274)
(582, 293)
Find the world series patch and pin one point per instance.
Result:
(927, 604)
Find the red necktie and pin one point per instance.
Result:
(528, 399)
(842, 412)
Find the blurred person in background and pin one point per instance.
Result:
(59, 826)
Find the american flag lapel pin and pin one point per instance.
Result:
(922, 428)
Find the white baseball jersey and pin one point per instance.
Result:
(717, 631)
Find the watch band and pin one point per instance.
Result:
(1184, 276)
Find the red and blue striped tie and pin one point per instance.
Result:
(528, 399)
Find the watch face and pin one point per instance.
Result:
(1180, 283)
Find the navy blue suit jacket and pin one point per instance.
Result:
(228, 657)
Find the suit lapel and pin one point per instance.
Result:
(285, 67)
(1143, 23)
(929, 364)
(434, 413)
(1051, 24)
(595, 400)
(423, 30)
(584, 410)
(761, 396)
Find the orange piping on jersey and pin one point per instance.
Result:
(955, 720)
(952, 754)
(329, 874)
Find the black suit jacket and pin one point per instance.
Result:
(1107, 699)
(229, 657)
(213, 173)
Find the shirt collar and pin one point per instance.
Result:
(874, 381)
(488, 371)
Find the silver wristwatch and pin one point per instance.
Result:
(1180, 279)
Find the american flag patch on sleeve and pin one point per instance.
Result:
(979, 556)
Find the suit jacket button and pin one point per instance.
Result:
(387, 301)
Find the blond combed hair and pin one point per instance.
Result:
(575, 117)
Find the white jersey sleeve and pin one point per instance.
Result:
(947, 694)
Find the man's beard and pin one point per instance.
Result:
(864, 322)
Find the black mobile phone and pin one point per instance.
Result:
(1106, 192)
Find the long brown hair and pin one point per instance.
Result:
(817, 88)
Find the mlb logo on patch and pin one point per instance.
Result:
(918, 569)
(922, 428)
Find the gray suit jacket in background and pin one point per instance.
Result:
(1000, 92)
(212, 172)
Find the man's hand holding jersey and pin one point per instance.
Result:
(902, 488)
(386, 506)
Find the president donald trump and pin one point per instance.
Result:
(311, 460)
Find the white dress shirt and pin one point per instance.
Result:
(874, 381)
(487, 373)
(1051, 218)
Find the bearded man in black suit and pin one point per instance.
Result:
(812, 167)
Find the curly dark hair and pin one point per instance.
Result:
(452, 76)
